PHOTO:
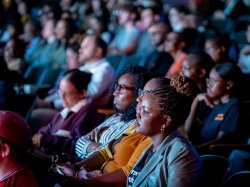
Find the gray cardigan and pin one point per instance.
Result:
(175, 164)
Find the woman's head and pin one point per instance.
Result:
(73, 87)
(223, 80)
(127, 87)
(166, 108)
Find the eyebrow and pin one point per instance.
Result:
(144, 107)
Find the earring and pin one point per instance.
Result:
(163, 129)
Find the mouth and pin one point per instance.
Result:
(137, 123)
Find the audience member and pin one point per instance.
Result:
(15, 137)
(174, 45)
(158, 62)
(149, 16)
(76, 119)
(170, 156)
(197, 66)
(244, 58)
(126, 37)
(221, 124)
(129, 82)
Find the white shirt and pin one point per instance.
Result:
(99, 88)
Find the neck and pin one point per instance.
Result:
(129, 25)
(51, 39)
(160, 48)
(225, 98)
(157, 140)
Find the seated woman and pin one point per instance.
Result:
(76, 119)
(129, 82)
(115, 161)
(221, 124)
(15, 137)
(171, 160)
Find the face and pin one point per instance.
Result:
(61, 29)
(124, 17)
(157, 35)
(87, 49)
(171, 42)
(248, 33)
(212, 50)
(48, 29)
(147, 18)
(150, 118)
(72, 59)
(69, 94)
(150, 85)
(124, 92)
(9, 49)
(216, 86)
(189, 67)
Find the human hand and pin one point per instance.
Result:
(66, 169)
(211, 102)
(93, 146)
(36, 139)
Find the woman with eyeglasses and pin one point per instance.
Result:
(221, 124)
(77, 118)
(115, 161)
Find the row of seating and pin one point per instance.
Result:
(215, 173)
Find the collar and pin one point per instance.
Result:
(89, 65)
(64, 113)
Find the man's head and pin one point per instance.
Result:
(149, 16)
(158, 32)
(127, 13)
(92, 48)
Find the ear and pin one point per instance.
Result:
(4, 150)
(166, 121)
(229, 85)
(83, 93)
(98, 52)
(202, 73)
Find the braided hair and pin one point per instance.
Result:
(175, 100)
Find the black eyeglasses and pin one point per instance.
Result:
(122, 88)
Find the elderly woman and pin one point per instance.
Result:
(171, 160)
(76, 119)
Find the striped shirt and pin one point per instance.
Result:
(115, 127)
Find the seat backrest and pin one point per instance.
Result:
(240, 179)
(214, 168)
(33, 74)
(116, 61)
(50, 76)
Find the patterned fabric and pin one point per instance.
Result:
(115, 127)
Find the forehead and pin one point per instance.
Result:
(66, 84)
(190, 60)
(88, 40)
(127, 80)
(151, 85)
(150, 101)
(213, 74)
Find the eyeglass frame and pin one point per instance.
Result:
(213, 81)
(118, 88)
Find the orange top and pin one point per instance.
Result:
(176, 67)
(126, 153)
